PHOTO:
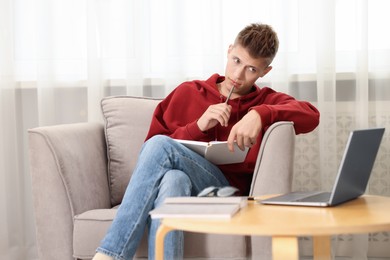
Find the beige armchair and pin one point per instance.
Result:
(80, 172)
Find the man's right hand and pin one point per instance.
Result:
(218, 113)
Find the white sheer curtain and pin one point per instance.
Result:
(59, 58)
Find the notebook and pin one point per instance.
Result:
(352, 177)
(216, 152)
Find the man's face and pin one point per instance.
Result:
(242, 71)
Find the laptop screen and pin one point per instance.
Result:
(356, 164)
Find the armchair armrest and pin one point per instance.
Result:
(274, 166)
(68, 164)
(273, 174)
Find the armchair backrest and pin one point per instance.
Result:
(127, 121)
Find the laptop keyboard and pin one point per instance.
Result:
(320, 197)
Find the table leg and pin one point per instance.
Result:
(160, 235)
(321, 248)
(285, 248)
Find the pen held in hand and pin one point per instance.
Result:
(230, 93)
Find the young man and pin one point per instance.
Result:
(197, 110)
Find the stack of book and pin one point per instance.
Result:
(199, 207)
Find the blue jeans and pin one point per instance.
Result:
(165, 168)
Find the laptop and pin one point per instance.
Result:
(352, 177)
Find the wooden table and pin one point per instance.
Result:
(286, 223)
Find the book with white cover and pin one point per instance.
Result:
(199, 207)
(209, 211)
(242, 201)
(216, 152)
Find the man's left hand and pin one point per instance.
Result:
(245, 131)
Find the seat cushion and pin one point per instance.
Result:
(89, 229)
(91, 226)
(124, 137)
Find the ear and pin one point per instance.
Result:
(266, 70)
(231, 46)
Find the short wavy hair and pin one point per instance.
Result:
(260, 40)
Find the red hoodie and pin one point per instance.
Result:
(176, 116)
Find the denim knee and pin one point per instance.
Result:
(159, 141)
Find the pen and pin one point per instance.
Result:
(230, 93)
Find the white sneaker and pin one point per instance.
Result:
(100, 256)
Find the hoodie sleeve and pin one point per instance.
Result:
(172, 118)
(282, 107)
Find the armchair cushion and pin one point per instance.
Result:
(125, 129)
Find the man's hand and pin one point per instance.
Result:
(245, 131)
(218, 113)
